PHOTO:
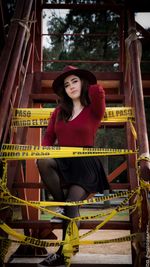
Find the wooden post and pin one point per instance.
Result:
(142, 137)
(38, 32)
(13, 68)
(32, 174)
(139, 99)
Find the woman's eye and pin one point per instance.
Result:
(66, 85)
(69, 84)
(75, 81)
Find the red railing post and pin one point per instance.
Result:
(142, 139)
(139, 99)
(11, 75)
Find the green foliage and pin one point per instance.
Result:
(49, 105)
(82, 35)
(112, 138)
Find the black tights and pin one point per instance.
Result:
(50, 177)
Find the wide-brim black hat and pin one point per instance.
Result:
(58, 83)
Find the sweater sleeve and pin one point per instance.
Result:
(97, 98)
(50, 135)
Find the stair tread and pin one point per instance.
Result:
(82, 259)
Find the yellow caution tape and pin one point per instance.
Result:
(4, 245)
(133, 129)
(144, 184)
(107, 241)
(41, 112)
(81, 242)
(143, 157)
(44, 243)
(5, 195)
(81, 218)
(15, 199)
(72, 238)
(22, 152)
(27, 239)
(35, 117)
(110, 216)
(71, 242)
(7, 198)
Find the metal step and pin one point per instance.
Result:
(84, 260)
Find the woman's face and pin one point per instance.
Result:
(73, 87)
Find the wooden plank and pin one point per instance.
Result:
(104, 83)
(51, 97)
(99, 75)
(41, 185)
(32, 173)
(23, 264)
(119, 225)
(119, 186)
(84, 260)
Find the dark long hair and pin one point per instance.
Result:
(66, 104)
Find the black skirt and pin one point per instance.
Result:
(88, 172)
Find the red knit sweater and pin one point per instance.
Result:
(79, 132)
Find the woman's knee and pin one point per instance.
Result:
(40, 163)
(46, 164)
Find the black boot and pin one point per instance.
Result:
(53, 259)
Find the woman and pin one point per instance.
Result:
(73, 123)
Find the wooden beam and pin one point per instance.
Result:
(13, 68)
(104, 83)
(95, 7)
(50, 97)
(32, 173)
(99, 75)
(135, 6)
(123, 225)
(119, 186)
(142, 136)
(117, 171)
(36, 185)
